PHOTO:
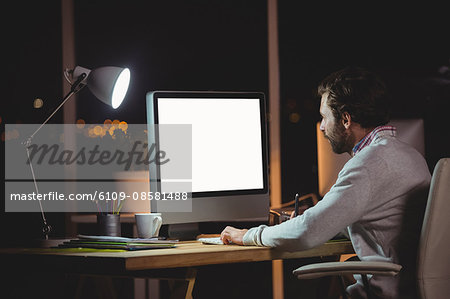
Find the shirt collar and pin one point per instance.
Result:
(375, 133)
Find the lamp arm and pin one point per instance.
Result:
(76, 86)
(47, 228)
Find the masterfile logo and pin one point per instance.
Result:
(140, 154)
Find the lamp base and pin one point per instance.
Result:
(35, 243)
(48, 243)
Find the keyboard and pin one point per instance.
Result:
(211, 240)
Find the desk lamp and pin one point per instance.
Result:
(109, 84)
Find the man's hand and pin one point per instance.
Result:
(292, 215)
(232, 235)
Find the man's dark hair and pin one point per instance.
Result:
(359, 92)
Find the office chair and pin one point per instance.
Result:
(433, 274)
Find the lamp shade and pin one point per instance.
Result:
(109, 83)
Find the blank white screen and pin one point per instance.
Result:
(226, 141)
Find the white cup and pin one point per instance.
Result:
(148, 224)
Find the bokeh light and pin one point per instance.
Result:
(38, 103)
(81, 123)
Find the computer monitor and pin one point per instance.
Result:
(410, 131)
(228, 160)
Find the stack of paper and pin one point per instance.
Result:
(107, 242)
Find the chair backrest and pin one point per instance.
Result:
(434, 248)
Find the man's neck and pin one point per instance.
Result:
(358, 133)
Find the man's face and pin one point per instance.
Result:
(333, 129)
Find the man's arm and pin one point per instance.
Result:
(343, 205)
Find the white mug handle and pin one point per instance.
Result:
(157, 222)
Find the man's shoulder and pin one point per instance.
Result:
(390, 155)
(390, 148)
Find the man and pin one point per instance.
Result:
(380, 193)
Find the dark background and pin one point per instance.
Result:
(222, 45)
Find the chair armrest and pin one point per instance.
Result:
(339, 268)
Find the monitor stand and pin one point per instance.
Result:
(184, 231)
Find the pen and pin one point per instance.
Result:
(296, 205)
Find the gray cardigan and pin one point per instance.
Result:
(379, 197)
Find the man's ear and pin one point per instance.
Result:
(346, 120)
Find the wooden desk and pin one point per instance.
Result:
(160, 263)
(186, 254)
